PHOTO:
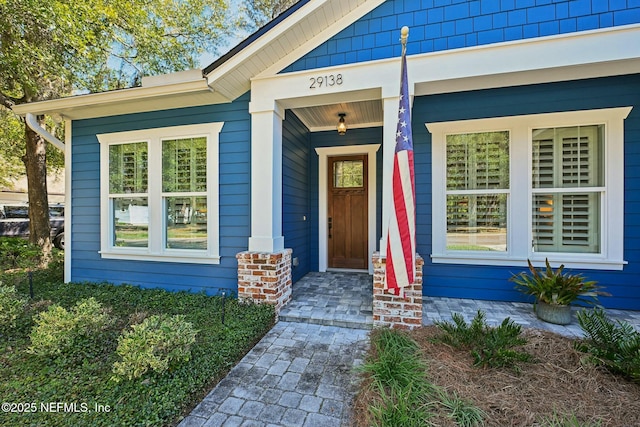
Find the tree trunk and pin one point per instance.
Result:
(35, 161)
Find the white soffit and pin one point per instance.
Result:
(361, 114)
(306, 29)
(127, 101)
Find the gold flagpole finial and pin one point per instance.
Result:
(404, 34)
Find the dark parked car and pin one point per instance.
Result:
(14, 222)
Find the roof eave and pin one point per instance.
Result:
(126, 101)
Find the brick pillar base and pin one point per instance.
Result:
(265, 277)
(391, 310)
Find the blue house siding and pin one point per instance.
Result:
(332, 139)
(296, 196)
(488, 282)
(453, 24)
(234, 195)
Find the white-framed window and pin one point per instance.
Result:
(538, 186)
(159, 194)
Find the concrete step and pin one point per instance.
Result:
(361, 320)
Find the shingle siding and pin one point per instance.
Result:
(443, 25)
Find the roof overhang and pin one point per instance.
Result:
(159, 96)
(310, 25)
(297, 31)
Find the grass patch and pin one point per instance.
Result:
(86, 379)
(397, 391)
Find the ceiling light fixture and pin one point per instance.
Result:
(342, 127)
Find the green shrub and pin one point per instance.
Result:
(156, 344)
(562, 420)
(613, 345)
(60, 331)
(11, 306)
(18, 253)
(557, 287)
(489, 346)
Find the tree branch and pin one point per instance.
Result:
(8, 101)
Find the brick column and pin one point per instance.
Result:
(265, 277)
(391, 310)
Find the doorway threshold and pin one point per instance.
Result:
(347, 270)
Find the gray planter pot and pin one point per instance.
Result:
(553, 313)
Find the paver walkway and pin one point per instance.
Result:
(301, 374)
(521, 313)
(335, 298)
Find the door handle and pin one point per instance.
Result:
(330, 226)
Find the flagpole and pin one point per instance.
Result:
(401, 244)
(404, 35)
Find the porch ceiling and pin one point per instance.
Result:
(360, 114)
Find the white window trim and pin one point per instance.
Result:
(156, 251)
(519, 224)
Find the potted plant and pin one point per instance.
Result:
(555, 291)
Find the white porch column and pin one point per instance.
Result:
(390, 107)
(266, 180)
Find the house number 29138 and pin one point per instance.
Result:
(325, 81)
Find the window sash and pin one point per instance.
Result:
(567, 222)
(477, 185)
(128, 168)
(130, 219)
(477, 222)
(201, 167)
(567, 158)
(478, 160)
(186, 222)
(610, 188)
(184, 165)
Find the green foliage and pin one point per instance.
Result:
(399, 377)
(11, 306)
(493, 347)
(159, 400)
(18, 253)
(615, 345)
(560, 420)
(259, 12)
(11, 147)
(407, 398)
(461, 411)
(51, 47)
(60, 331)
(156, 344)
(556, 287)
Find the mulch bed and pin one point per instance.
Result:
(560, 382)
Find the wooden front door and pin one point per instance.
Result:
(347, 212)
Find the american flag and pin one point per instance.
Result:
(401, 238)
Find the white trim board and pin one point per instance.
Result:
(323, 154)
(584, 54)
(587, 54)
(68, 200)
(157, 221)
(519, 226)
